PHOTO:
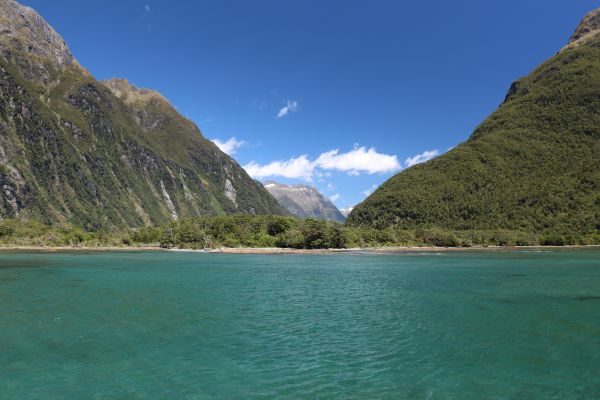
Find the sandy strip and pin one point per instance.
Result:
(278, 250)
(79, 248)
(382, 250)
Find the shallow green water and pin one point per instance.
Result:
(478, 325)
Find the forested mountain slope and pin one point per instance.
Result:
(533, 165)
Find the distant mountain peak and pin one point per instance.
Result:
(588, 27)
(304, 201)
(346, 211)
(294, 186)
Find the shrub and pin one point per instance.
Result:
(292, 238)
(188, 232)
(315, 234)
(278, 225)
(167, 237)
(404, 237)
(552, 239)
(149, 234)
(7, 228)
(337, 237)
(438, 237)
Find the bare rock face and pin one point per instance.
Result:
(230, 192)
(148, 106)
(22, 29)
(130, 94)
(589, 26)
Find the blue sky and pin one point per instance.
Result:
(339, 94)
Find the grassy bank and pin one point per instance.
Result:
(273, 232)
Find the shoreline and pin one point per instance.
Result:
(279, 250)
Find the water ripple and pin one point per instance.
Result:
(204, 326)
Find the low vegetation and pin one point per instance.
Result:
(272, 231)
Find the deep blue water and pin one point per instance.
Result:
(157, 325)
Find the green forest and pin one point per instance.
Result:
(271, 231)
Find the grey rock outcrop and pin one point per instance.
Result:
(589, 25)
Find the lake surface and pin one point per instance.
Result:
(158, 325)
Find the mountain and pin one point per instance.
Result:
(533, 165)
(346, 211)
(100, 154)
(304, 201)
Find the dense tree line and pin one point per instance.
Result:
(272, 231)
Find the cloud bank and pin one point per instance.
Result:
(421, 158)
(294, 168)
(358, 160)
(230, 146)
(355, 162)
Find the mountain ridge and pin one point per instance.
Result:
(304, 201)
(71, 151)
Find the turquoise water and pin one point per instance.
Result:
(157, 325)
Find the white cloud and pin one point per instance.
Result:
(420, 158)
(369, 190)
(146, 9)
(294, 168)
(357, 161)
(291, 106)
(230, 146)
(335, 197)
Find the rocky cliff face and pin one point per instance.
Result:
(304, 201)
(25, 30)
(589, 25)
(73, 149)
